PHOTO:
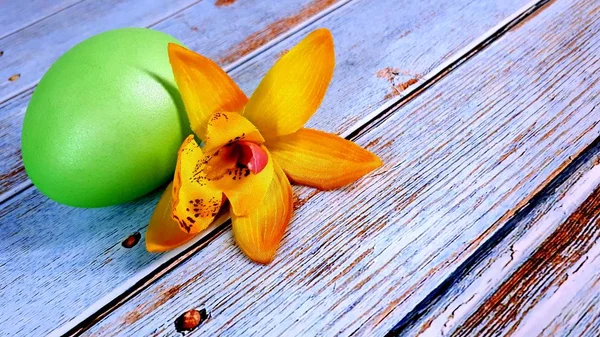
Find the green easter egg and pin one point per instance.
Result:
(105, 122)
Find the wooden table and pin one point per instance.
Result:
(484, 219)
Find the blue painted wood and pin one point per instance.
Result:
(460, 160)
(360, 74)
(51, 273)
(553, 293)
(224, 33)
(29, 52)
(470, 287)
(15, 15)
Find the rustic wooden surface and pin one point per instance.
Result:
(563, 273)
(16, 15)
(462, 158)
(478, 159)
(92, 261)
(474, 282)
(89, 241)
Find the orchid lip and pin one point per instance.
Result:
(252, 156)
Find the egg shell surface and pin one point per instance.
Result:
(105, 122)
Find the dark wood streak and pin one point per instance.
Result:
(5, 178)
(224, 3)
(265, 35)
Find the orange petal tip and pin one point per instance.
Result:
(322, 160)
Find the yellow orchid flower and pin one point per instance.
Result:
(251, 148)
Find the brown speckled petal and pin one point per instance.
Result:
(163, 231)
(196, 201)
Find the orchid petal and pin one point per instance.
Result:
(225, 128)
(259, 233)
(293, 89)
(205, 88)
(322, 160)
(163, 231)
(196, 201)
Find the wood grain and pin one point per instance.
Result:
(16, 15)
(554, 292)
(460, 295)
(90, 240)
(30, 51)
(411, 40)
(202, 25)
(460, 160)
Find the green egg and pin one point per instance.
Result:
(105, 122)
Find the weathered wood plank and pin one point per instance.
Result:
(29, 52)
(377, 62)
(359, 57)
(580, 315)
(461, 159)
(465, 292)
(556, 291)
(15, 15)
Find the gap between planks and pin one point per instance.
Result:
(379, 116)
(172, 259)
(230, 68)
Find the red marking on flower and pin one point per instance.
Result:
(252, 156)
